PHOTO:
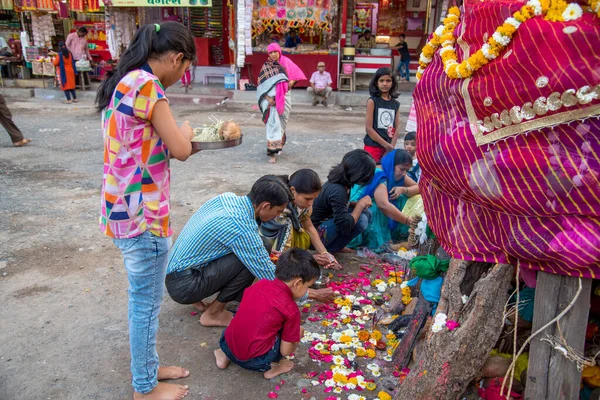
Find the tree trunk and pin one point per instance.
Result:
(449, 361)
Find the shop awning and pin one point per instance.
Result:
(161, 3)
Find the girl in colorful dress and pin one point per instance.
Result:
(140, 136)
(276, 79)
(65, 62)
(383, 117)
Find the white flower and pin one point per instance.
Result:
(537, 6)
(338, 360)
(387, 358)
(435, 328)
(501, 39)
(376, 374)
(373, 341)
(449, 65)
(441, 318)
(335, 347)
(464, 299)
(330, 383)
(403, 285)
(372, 367)
(369, 309)
(485, 49)
(352, 386)
(369, 295)
(513, 22)
(337, 390)
(351, 298)
(357, 313)
(335, 336)
(319, 346)
(572, 12)
(345, 310)
(382, 287)
(424, 59)
(445, 49)
(439, 30)
(349, 332)
(351, 356)
(392, 284)
(315, 383)
(355, 340)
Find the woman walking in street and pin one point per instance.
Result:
(65, 62)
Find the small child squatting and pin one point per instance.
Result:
(266, 327)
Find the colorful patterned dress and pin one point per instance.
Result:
(135, 188)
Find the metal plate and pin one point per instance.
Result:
(222, 144)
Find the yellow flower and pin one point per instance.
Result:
(506, 29)
(390, 336)
(376, 282)
(324, 352)
(353, 381)
(376, 335)
(340, 378)
(454, 11)
(363, 336)
(371, 353)
(383, 396)
(361, 352)
(371, 386)
(345, 339)
(325, 323)
(406, 291)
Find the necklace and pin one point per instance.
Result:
(552, 10)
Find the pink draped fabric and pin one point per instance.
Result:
(294, 72)
(280, 91)
(524, 191)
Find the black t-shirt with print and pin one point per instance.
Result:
(384, 117)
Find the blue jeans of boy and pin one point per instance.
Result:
(260, 363)
(145, 258)
(335, 241)
(404, 69)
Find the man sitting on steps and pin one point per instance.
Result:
(320, 85)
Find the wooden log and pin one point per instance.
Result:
(448, 361)
(403, 352)
(550, 375)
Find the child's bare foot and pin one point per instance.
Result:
(221, 359)
(221, 319)
(68, 102)
(272, 160)
(172, 372)
(200, 306)
(277, 369)
(75, 101)
(164, 391)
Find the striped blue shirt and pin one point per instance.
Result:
(223, 225)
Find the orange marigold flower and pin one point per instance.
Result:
(376, 335)
(384, 396)
(363, 336)
(361, 352)
(371, 353)
(345, 339)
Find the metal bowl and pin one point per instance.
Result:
(221, 144)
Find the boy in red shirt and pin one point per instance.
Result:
(266, 327)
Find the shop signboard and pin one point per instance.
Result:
(160, 3)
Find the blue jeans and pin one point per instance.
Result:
(404, 69)
(260, 363)
(145, 258)
(335, 241)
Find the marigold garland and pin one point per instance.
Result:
(552, 10)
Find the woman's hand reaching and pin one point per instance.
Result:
(327, 261)
(398, 191)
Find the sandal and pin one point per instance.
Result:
(22, 143)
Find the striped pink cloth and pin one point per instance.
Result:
(520, 187)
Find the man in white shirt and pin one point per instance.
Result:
(320, 85)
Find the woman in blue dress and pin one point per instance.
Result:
(390, 189)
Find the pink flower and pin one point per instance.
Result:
(273, 395)
(277, 388)
(328, 358)
(312, 374)
(314, 319)
(328, 390)
(304, 390)
(452, 325)
(193, 313)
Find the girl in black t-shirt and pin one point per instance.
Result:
(383, 117)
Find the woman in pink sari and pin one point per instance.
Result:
(276, 79)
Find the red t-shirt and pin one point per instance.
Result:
(267, 308)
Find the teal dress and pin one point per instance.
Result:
(379, 233)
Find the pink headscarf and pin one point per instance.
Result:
(294, 72)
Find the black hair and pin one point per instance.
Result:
(410, 136)
(297, 263)
(402, 157)
(63, 49)
(402, 35)
(305, 181)
(83, 30)
(374, 89)
(367, 31)
(357, 167)
(150, 42)
(271, 189)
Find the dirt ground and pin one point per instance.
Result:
(63, 287)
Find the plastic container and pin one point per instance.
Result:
(348, 68)
(349, 51)
(229, 81)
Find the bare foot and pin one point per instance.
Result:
(172, 372)
(164, 391)
(75, 101)
(200, 306)
(272, 160)
(347, 250)
(278, 369)
(22, 143)
(221, 319)
(68, 102)
(221, 359)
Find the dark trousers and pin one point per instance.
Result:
(226, 275)
(69, 93)
(7, 122)
(261, 363)
(335, 241)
